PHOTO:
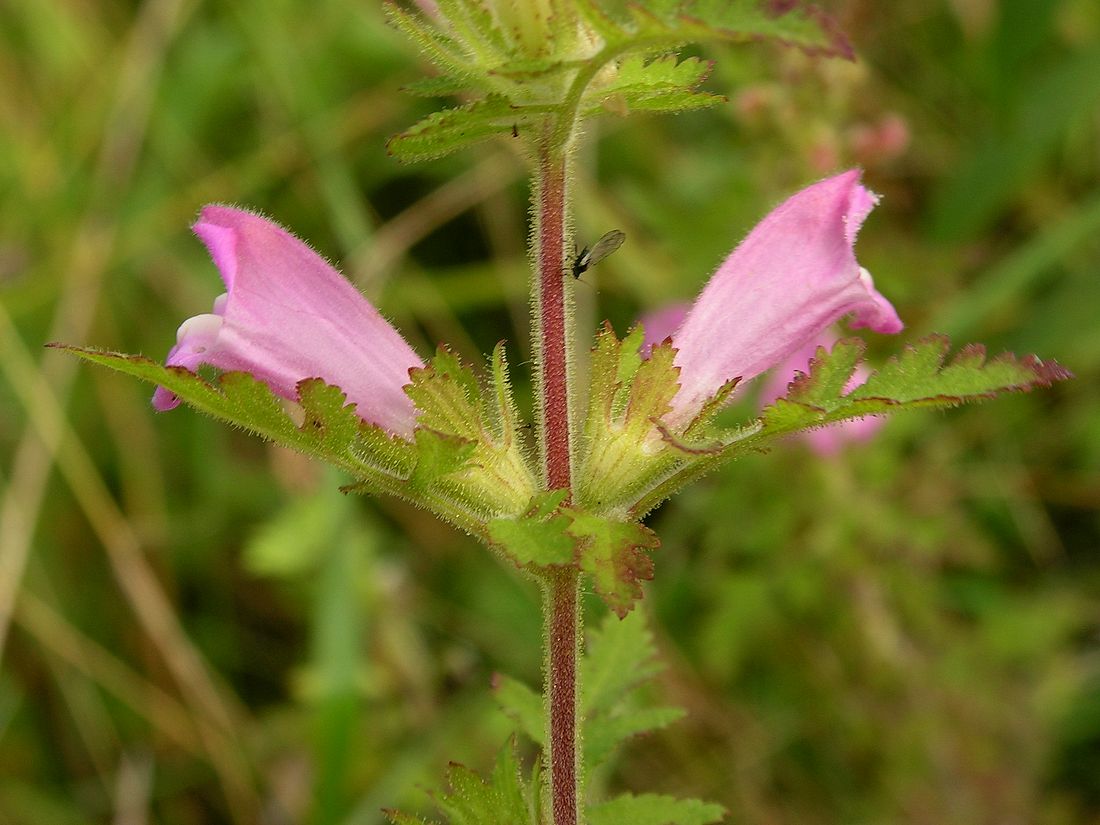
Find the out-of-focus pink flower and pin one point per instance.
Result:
(794, 275)
(288, 315)
(877, 143)
(661, 323)
(823, 440)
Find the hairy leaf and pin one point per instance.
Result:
(539, 537)
(457, 468)
(620, 658)
(596, 56)
(330, 431)
(502, 799)
(661, 85)
(916, 378)
(603, 734)
(787, 22)
(449, 130)
(627, 397)
(613, 553)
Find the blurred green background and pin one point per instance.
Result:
(197, 628)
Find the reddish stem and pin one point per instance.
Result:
(552, 344)
(562, 586)
(563, 621)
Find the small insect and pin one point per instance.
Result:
(587, 258)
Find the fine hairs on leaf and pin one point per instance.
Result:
(620, 660)
(505, 797)
(527, 73)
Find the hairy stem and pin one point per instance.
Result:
(561, 603)
(563, 625)
(551, 332)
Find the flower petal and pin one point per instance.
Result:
(661, 323)
(289, 316)
(793, 275)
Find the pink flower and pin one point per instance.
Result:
(661, 323)
(288, 315)
(794, 275)
(822, 440)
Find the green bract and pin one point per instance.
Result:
(632, 460)
(468, 464)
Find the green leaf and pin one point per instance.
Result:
(437, 46)
(613, 553)
(455, 468)
(620, 656)
(505, 415)
(577, 70)
(523, 705)
(503, 799)
(465, 439)
(447, 396)
(661, 85)
(438, 455)
(619, 659)
(917, 377)
(611, 366)
(654, 385)
(331, 430)
(473, 24)
(654, 809)
(449, 130)
(731, 21)
(603, 734)
(539, 537)
(627, 396)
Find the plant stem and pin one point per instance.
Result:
(563, 624)
(561, 603)
(551, 338)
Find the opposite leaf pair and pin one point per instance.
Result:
(432, 434)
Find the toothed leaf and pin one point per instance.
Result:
(620, 659)
(449, 130)
(539, 537)
(438, 455)
(661, 85)
(613, 554)
(504, 798)
(916, 378)
(331, 430)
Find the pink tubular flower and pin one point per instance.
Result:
(794, 275)
(288, 315)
